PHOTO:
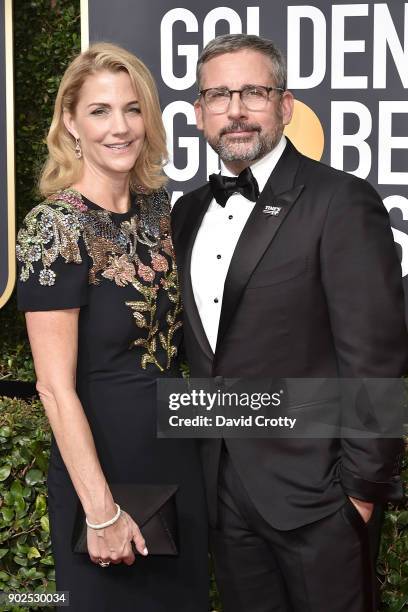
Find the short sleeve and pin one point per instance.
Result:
(52, 259)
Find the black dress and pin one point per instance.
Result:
(119, 270)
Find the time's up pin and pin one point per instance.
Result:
(272, 210)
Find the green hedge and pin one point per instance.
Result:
(25, 556)
(26, 562)
(46, 37)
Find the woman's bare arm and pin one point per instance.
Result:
(54, 343)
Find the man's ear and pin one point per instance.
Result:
(287, 104)
(69, 123)
(199, 114)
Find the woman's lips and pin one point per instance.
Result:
(119, 146)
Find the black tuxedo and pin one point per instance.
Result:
(313, 292)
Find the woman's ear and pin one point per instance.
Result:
(69, 123)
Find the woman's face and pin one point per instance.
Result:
(108, 122)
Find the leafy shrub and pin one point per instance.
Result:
(25, 549)
(16, 362)
(46, 37)
(393, 559)
(26, 562)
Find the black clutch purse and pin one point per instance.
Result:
(152, 507)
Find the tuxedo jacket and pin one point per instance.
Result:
(313, 292)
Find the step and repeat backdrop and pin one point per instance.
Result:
(7, 208)
(347, 67)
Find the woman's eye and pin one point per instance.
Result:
(99, 111)
(103, 111)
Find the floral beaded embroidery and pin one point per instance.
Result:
(120, 270)
(144, 314)
(54, 228)
(51, 229)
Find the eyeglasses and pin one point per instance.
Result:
(253, 97)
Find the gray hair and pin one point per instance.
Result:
(229, 43)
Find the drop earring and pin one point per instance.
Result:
(78, 150)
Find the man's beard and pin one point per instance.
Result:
(238, 150)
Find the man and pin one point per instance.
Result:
(289, 270)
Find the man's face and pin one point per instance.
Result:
(238, 135)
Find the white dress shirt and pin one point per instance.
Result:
(216, 241)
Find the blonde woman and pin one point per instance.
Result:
(98, 284)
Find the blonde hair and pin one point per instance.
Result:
(61, 168)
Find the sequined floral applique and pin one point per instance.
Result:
(154, 228)
(159, 263)
(113, 251)
(51, 229)
(144, 312)
(120, 270)
(55, 227)
(145, 272)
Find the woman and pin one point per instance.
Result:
(99, 287)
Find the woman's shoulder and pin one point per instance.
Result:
(156, 198)
(51, 229)
(64, 202)
(155, 210)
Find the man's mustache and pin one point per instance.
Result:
(240, 127)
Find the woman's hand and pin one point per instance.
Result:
(113, 544)
(54, 343)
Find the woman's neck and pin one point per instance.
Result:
(110, 192)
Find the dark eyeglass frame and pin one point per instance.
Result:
(268, 90)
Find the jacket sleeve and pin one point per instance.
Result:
(361, 275)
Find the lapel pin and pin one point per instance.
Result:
(272, 210)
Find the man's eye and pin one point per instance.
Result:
(254, 92)
(218, 94)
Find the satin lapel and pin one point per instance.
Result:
(197, 210)
(259, 231)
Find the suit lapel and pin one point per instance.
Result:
(196, 212)
(259, 231)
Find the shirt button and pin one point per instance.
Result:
(215, 300)
(218, 256)
(230, 217)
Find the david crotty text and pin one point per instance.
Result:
(222, 421)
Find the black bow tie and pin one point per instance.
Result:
(223, 187)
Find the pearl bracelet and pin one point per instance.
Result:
(107, 523)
